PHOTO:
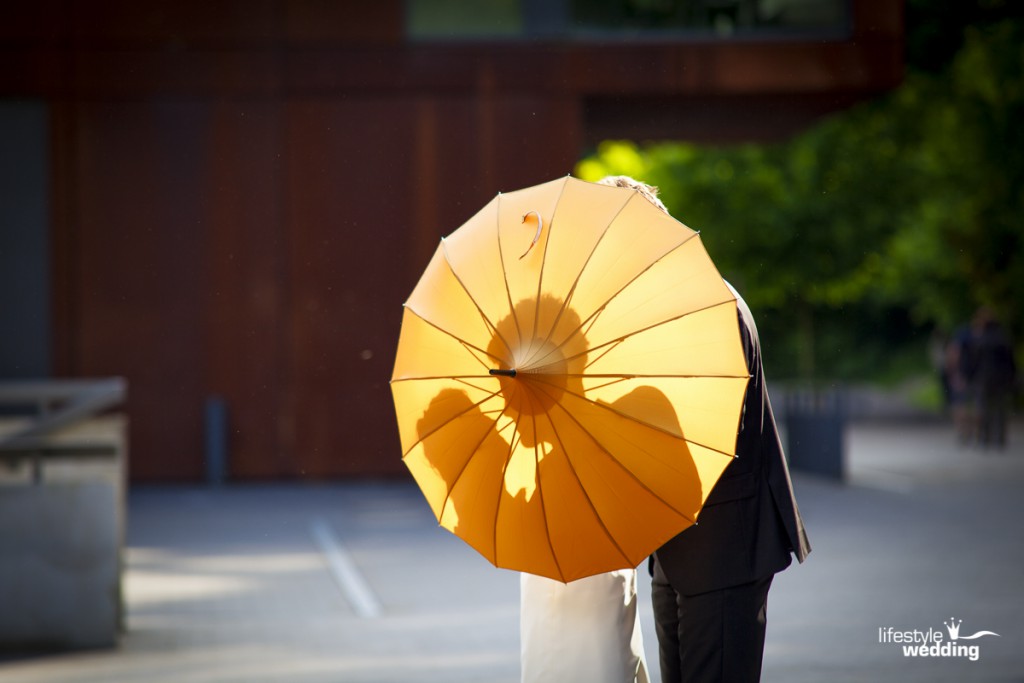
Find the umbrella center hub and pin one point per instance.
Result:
(539, 383)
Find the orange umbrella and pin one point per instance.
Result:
(569, 379)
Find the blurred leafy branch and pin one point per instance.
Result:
(880, 228)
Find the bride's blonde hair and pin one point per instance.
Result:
(648, 191)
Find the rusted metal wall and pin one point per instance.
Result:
(245, 192)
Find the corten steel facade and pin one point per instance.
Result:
(243, 193)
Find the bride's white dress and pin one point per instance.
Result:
(586, 630)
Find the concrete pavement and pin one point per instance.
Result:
(925, 532)
(355, 582)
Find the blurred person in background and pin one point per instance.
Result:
(958, 369)
(991, 378)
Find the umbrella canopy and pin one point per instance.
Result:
(569, 379)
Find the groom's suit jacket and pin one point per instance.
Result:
(750, 524)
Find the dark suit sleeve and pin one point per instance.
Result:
(750, 525)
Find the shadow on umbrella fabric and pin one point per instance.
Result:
(546, 475)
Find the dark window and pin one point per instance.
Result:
(623, 19)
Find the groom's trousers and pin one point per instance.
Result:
(712, 637)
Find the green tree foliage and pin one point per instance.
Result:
(856, 239)
(936, 29)
(962, 243)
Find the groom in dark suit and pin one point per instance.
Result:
(710, 583)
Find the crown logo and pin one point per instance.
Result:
(953, 626)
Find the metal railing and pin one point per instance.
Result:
(41, 407)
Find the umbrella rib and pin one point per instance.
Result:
(608, 348)
(646, 268)
(450, 334)
(434, 378)
(572, 289)
(444, 424)
(462, 470)
(593, 316)
(504, 277)
(633, 418)
(540, 495)
(583, 489)
(645, 376)
(525, 396)
(616, 379)
(600, 309)
(625, 469)
(483, 316)
(540, 277)
(497, 508)
(633, 333)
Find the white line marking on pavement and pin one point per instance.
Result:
(891, 482)
(344, 570)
